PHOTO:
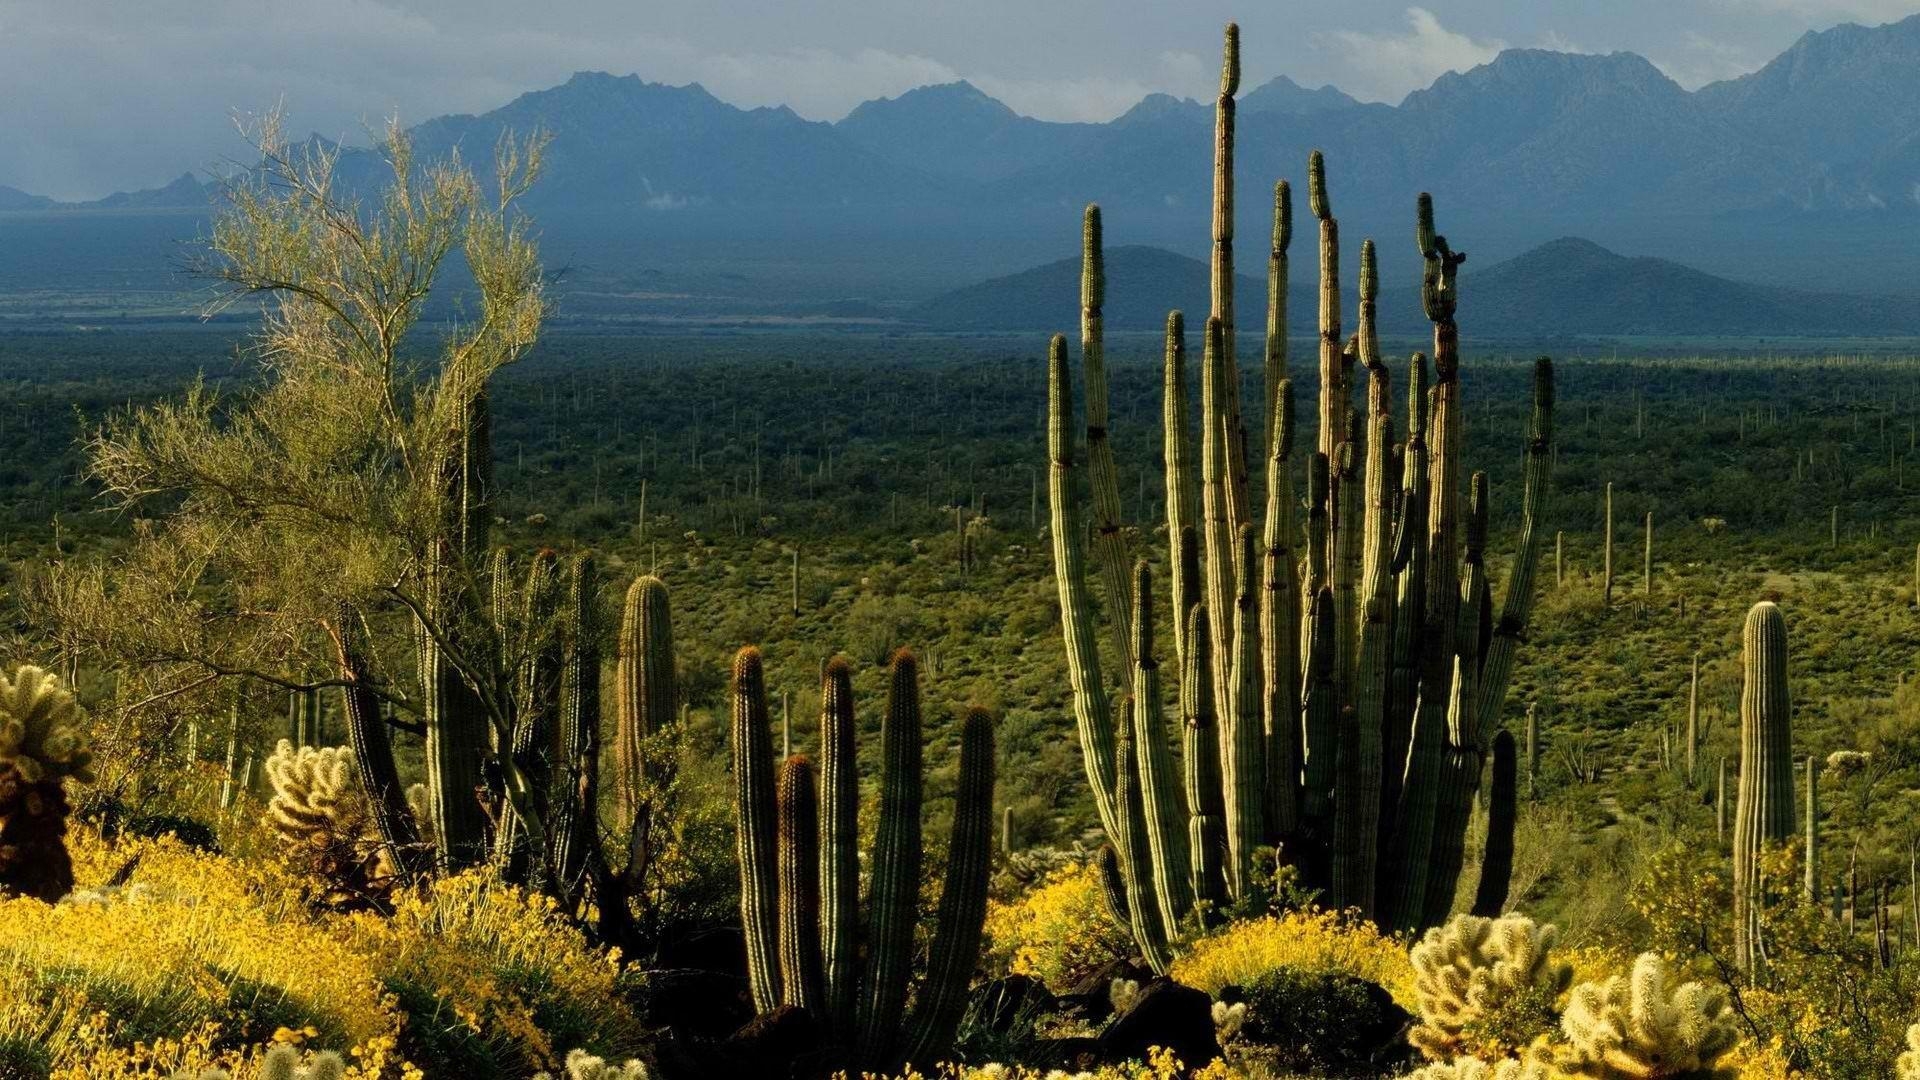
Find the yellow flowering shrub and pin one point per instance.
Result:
(1321, 941)
(1058, 932)
(200, 960)
(1161, 1064)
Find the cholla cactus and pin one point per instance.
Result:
(1643, 1027)
(1907, 1067)
(40, 728)
(1228, 1020)
(1485, 986)
(42, 743)
(283, 1063)
(584, 1066)
(1124, 994)
(1475, 1069)
(320, 816)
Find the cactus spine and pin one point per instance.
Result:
(1764, 809)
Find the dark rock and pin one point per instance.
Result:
(698, 1003)
(1323, 1024)
(783, 1043)
(1013, 1002)
(1091, 999)
(1168, 1015)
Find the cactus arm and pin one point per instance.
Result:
(1496, 864)
(1217, 530)
(756, 844)
(1233, 425)
(1200, 758)
(1278, 272)
(1183, 496)
(576, 828)
(1092, 711)
(1243, 735)
(1142, 909)
(1333, 407)
(1163, 805)
(373, 757)
(1362, 759)
(802, 980)
(1280, 628)
(1461, 770)
(1511, 627)
(896, 864)
(1109, 540)
(839, 845)
(963, 898)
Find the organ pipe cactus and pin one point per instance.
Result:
(1375, 662)
(799, 884)
(1496, 860)
(576, 794)
(43, 742)
(1644, 1027)
(1763, 811)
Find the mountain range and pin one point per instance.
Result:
(1566, 288)
(1804, 174)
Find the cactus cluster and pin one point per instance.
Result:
(284, 1063)
(43, 742)
(799, 870)
(1339, 700)
(1475, 1069)
(1485, 985)
(581, 1065)
(1645, 1026)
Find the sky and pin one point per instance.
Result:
(105, 95)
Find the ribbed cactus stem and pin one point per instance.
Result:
(896, 864)
(457, 725)
(1693, 719)
(1813, 830)
(1163, 807)
(1233, 427)
(1136, 863)
(1511, 627)
(963, 897)
(373, 757)
(1217, 528)
(1333, 392)
(1183, 493)
(576, 829)
(802, 980)
(756, 846)
(1092, 711)
(1280, 628)
(1278, 273)
(1362, 761)
(1606, 549)
(1321, 712)
(644, 690)
(1109, 540)
(839, 845)
(1496, 864)
(1764, 809)
(1200, 758)
(1243, 734)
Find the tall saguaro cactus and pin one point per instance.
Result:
(644, 690)
(1763, 813)
(1353, 691)
(756, 842)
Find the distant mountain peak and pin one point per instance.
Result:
(1158, 106)
(1282, 95)
(938, 101)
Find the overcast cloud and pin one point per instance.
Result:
(100, 95)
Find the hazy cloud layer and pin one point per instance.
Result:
(98, 95)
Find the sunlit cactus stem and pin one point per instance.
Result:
(1163, 807)
(895, 905)
(373, 757)
(756, 834)
(963, 897)
(802, 980)
(1109, 540)
(1280, 630)
(1763, 813)
(644, 690)
(1200, 758)
(1243, 734)
(576, 828)
(839, 845)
